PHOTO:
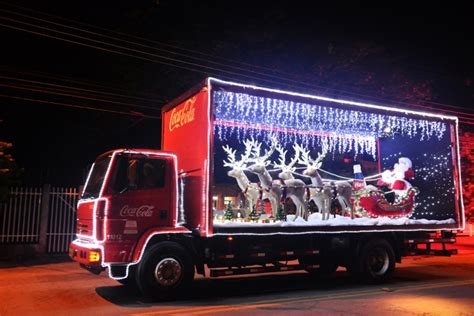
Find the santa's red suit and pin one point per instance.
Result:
(403, 184)
(397, 177)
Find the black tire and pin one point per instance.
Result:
(375, 263)
(165, 270)
(327, 267)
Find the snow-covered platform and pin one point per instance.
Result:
(342, 224)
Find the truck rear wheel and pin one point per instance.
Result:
(375, 263)
(166, 269)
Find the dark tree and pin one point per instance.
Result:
(9, 171)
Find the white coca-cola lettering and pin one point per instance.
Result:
(182, 116)
(141, 211)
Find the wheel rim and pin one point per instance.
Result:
(378, 261)
(168, 272)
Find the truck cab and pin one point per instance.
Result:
(129, 195)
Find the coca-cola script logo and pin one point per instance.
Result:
(182, 116)
(141, 211)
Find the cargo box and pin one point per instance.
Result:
(254, 160)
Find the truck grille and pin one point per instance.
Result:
(83, 229)
(84, 224)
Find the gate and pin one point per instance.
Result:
(43, 216)
(62, 219)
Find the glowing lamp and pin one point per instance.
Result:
(94, 256)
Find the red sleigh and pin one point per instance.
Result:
(375, 204)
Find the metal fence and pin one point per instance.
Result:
(20, 216)
(62, 219)
(45, 216)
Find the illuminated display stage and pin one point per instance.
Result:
(285, 162)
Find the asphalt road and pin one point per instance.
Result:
(421, 286)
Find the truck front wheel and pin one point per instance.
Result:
(376, 261)
(166, 269)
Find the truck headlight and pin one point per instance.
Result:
(94, 256)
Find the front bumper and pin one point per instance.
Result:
(87, 254)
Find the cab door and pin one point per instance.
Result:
(143, 194)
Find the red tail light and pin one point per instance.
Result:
(100, 211)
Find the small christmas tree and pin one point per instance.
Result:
(281, 215)
(253, 215)
(228, 214)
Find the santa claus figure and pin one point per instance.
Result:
(396, 179)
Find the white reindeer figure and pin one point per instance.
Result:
(295, 187)
(319, 193)
(343, 188)
(276, 188)
(250, 190)
(273, 190)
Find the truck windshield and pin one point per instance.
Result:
(96, 178)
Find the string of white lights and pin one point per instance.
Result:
(242, 115)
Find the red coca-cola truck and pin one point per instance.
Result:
(254, 180)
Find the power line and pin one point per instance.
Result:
(168, 59)
(180, 48)
(171, 59)
(171, 52)
(137, 37)
(69, 105)
(131, 55)
(67, 95)
(61, 93)
(100, 48)
(39, 83)
(170, 64)
(82, 89)
(160, 49)
(142, 96)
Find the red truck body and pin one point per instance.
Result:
(118, 226)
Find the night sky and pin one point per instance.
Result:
(102, 82)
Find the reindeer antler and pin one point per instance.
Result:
(282, 159)
(318, 162)
(249, 146)
(268, 152)
(306, 159)
(244, 158)
(231, 162)
(294, 160)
